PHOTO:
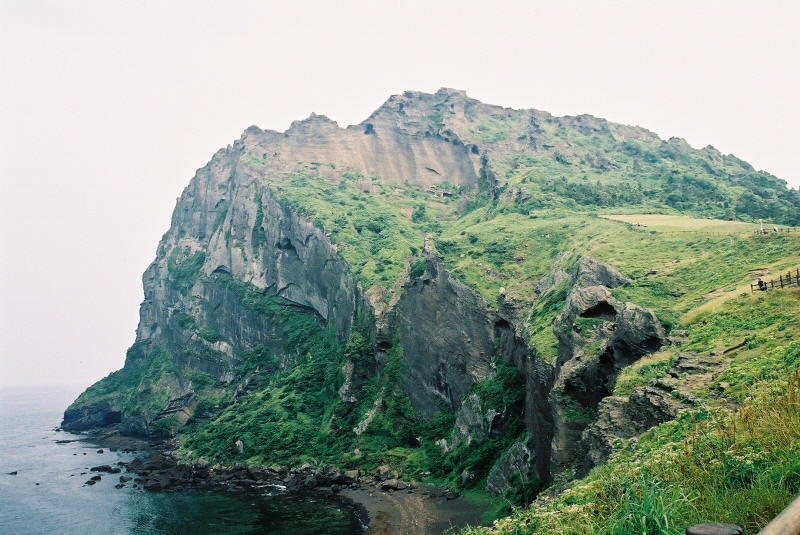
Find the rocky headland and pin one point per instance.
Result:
(429, 295)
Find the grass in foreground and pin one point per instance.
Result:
(738, 467)
(709, 465)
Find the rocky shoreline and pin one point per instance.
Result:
(385, 503)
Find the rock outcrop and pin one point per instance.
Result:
(516, 462)
(598, 337)
(104, 412)
(625, 417)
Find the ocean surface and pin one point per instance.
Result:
(48, 495)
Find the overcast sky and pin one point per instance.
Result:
(108, 108)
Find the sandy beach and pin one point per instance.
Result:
(413, 513)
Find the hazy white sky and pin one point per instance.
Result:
(108, 108)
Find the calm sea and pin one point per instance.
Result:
(48, 494)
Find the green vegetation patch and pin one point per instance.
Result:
(642, 372)
(143, 387)
(184, 269)
(492, 248)
(376, 240)
(587, 163)
(540, 326)
(675, 274)
(504, 391)
(377, 228)
(297, 414)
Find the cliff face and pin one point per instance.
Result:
(238, 229)
(447, 334)
(346, 228)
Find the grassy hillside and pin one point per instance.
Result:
(544, 162)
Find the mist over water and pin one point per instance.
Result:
(60, 503)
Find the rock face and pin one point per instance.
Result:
(515, 462)
(473, 423)
(598, 337)
(447, 333)
(286, 254)
(625, 417)
(102, 413)
(395, 147)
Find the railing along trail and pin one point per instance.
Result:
(777, 229)
(787, 281)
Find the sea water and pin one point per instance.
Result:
(49, 492)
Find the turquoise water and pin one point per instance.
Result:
(60, 503)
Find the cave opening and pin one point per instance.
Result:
(286, 245)
(221, 270)
(652, 344)
(587, 394)
(602, 309)
(501, 327)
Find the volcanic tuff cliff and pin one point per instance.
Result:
(317, 275)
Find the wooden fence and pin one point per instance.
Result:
(744, 232)
(784, 281)
(778, 229)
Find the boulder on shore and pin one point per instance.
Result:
(106, 468)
